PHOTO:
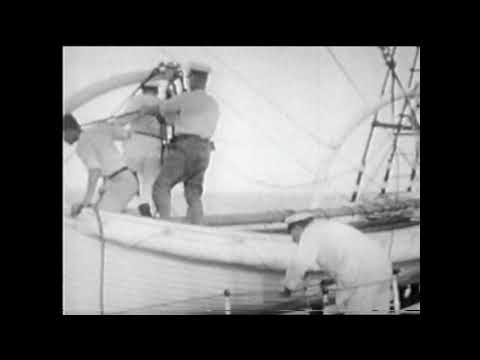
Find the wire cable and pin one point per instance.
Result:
(347, 76)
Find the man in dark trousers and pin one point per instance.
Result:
(195, 116)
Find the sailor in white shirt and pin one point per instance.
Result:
(195, 116)
(97, 151)
(359, 265)
(143, 150)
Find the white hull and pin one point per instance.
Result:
(155, 267)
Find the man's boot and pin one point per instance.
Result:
(144, 210)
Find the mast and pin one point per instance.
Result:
(406, 125)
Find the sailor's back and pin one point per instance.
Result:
(96, 147)
(359, 264)
(198, 113)
(347, 251)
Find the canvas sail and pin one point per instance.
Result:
(279, 127)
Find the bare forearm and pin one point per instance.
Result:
(294, 275)
(93, 176)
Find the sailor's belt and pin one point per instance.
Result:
(115, 173)
(121, 170)
(188, 136)
(192, 136)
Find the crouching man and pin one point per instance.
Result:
(97, 150)
(195, 115)
(359, 265)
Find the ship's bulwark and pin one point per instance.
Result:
(139, 281)
(142, 281)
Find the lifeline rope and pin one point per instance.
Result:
(129, 113)
(102, 251)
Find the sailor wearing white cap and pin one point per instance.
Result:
(360, 265)
(195, 116)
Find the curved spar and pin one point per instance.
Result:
(101, 87)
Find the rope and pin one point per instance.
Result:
(347, 76)
(152, 74)
(277, 108)
(102, 252)
(266, 134)
(324, 181)
(320, 142)
(390, 62)
(266, 184)
(129, 113)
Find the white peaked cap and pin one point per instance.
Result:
(200, 67)
(301, 216)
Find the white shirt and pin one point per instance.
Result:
(350, 256)
(97, 150)
(148, 123)
(198, 113)
(140, 147)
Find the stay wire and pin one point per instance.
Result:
(345, 73)
(272, 140)
(275, 106)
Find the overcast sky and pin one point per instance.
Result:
(278, 106)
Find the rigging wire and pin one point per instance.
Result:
(371, 179)
(266, 184)
(397, 162)
(278, 109)
(273, 141)
(285, 115)
(166, 54)
(296, 159)
(351, 163)
(347, 76)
